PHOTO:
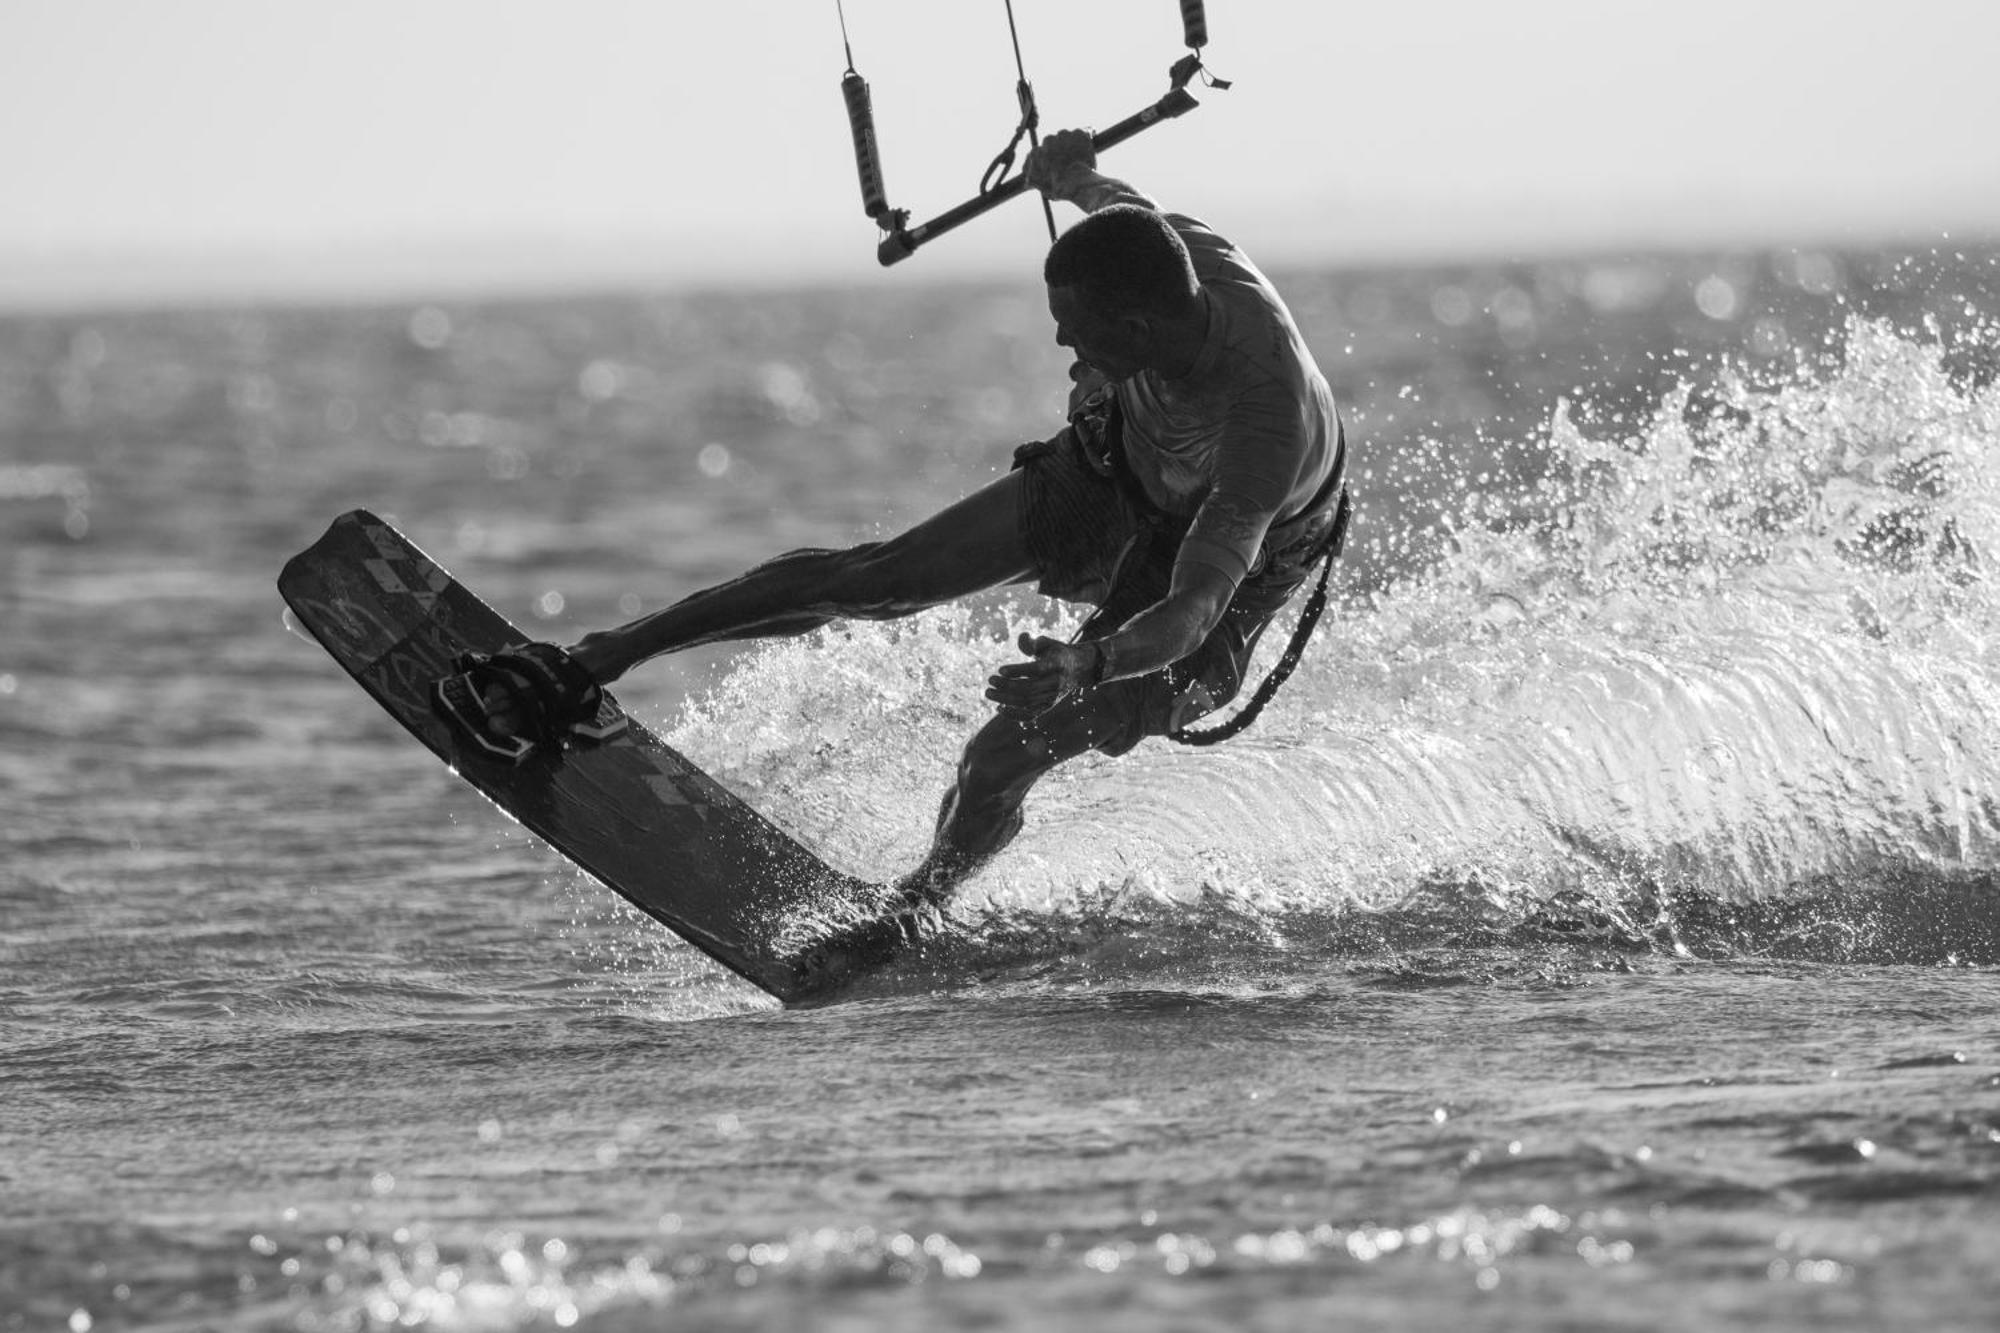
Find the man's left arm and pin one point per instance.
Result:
(1251, 485)
(1159, 636)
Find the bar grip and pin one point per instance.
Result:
(1194, 24)
(867, 160)
(901, 242)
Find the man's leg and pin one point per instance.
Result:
(981, 814)
(1006, 757)
(973, 544)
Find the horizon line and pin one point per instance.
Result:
(431, 269)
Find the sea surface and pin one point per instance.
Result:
(1600, 931)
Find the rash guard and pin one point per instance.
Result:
(1249, 436)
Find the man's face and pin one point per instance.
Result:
(1115, 347)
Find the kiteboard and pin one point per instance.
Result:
(628, 809)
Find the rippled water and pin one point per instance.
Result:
(1599, 931)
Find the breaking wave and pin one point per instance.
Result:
(1679, 679)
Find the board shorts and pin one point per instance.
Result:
(1096, 538)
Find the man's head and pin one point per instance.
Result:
(1120, 286)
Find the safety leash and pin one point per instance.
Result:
(1028, 128)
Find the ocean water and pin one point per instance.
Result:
(1599, 931)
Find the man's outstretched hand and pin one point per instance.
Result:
(1053, 669)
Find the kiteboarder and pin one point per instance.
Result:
(1195, 484)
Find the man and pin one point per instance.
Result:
(1187, 499)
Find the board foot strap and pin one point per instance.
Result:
(554, 698)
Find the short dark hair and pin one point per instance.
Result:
(1124, 260)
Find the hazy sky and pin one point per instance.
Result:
(233, 146)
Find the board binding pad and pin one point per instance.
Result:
(628, 809)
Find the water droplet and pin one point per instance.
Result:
(506, 463)
(1452, 306)
(600, 381)
(87, 349)
(430, 328)
(1716, 297)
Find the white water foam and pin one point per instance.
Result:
(1744, 650)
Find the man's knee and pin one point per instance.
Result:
(982, 811)
(1002, 753)
(1008, 755)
